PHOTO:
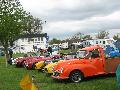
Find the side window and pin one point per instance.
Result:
(96, 42)
(95, 53)
(89, 55)
(41, 38)
(103, 42)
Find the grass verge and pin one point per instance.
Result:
(10, 78)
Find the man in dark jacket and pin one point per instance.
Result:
(10, 53)
(49, 50)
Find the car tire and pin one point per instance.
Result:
(76, 76)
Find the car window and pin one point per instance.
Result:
(95, 53)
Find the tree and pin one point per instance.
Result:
(102, 34)
(12, 22)
(116, 37)
(54, 41)
(87, 37)
(34, 25)
(78, 35)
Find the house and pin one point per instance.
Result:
(101, 42)
(30, 42)
(64, 45)
(72, 43)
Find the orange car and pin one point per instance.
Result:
(90, 62)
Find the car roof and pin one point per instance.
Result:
(90, 48)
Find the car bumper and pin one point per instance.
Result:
(18, 64)
(28, 66)
(58, 77)
(48, 71)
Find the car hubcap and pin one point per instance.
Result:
(76, 77)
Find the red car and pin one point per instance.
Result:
(55, 56)
(19, 61)
(30, 64)
(29, 55)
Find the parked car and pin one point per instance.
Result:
(111, 51)
(114, 53)
(28, 56)
(41, 64)
(49, 68)
(12, 61)
(90, 62)
(55, 56)
(30, 64)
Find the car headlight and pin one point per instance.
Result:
(48, 61)
(53, 69)
(61, 70)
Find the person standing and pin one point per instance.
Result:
(49, 50)
(10, 53)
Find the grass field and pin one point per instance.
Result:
(10, 78)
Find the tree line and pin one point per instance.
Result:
(100, 35)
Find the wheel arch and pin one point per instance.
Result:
(76, 70)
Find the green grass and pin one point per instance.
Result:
(68, 50)
(10, 78)
(2, 59)
(18, 55)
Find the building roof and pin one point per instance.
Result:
(71, 41)
(33, 35)
(90, 48)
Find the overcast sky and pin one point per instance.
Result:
(66, 17)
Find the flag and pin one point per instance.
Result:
(34, 87)
(26, 83)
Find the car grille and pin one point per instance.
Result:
(56, 73)
(46, 70)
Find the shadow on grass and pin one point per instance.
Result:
(98, 77)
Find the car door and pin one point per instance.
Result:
(97, 61)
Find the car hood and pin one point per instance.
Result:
(64, 63)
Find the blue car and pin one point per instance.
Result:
(114, 53)
(111, 52)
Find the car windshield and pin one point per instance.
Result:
(81, 53)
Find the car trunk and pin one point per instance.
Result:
(111, 64)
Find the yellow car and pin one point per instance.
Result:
(39, 65)
(48, 68)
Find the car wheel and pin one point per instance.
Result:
(76, 76)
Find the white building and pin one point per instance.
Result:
(73, 43)
(31, 42)
(101, 42)
(64, 45)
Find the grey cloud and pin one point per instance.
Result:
(83, 12)
(91, 8)
(93, 28)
